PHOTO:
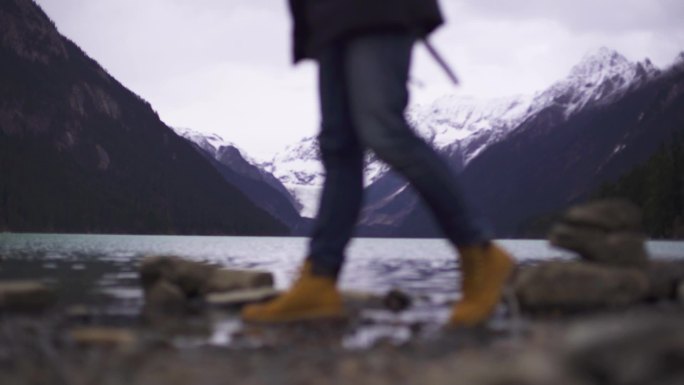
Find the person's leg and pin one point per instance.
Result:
(342, 157)
(314, 294)
(377, 69)
(377, 72)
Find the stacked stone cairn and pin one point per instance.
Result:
(613, 268)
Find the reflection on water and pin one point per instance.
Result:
(101, 269)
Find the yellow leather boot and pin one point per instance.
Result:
(485, 270)
(311, 297)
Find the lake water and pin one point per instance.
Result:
(101, 270)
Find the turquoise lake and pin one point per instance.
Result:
(100, 271)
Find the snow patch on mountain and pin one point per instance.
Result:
(298, 164)
(308, 196)
(300, 169)
(213, 144)
(210, 143)
(466, 125)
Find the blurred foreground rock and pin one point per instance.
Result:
(606, 232)
(664, 278)
(624, 350)
(530, 367)
(25, 296)
(571, 286)
(223, 280)
(101, 337)
(170, 283)
(166, 296)
(241, 297)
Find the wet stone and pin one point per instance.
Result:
(189, 276)
(573, 286)
(79, 313)
(100, 337)
(605, 232)
(615, 249)
(155, 268)
(224, 280)
(627, 350)
(165, 297)
(664, 277)
(610, 215)
(196, 279)
(241, 297)
(25, 296)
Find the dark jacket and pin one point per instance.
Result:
(320, 22)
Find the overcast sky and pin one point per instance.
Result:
(223, 66)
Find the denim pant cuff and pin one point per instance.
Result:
(322, 269)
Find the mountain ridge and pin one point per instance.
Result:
(79, 152)
(462, 127)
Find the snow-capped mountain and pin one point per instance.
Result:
(462, 127)
(581, 139)
(257, 184)
(208, 142)
(213, 144)
(599, 78)
(298, 164)
(299, 167)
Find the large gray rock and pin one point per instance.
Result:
(616, 249)
(154, 268)
(571, 286)
(223, 280)
(189, 276)
(520, 367)
(241, 297)
(171, 283)
(627, 350)
(165, 297)
(25, 296)
(605, 232)
(610, 215)
(101, 337)
(664, 276)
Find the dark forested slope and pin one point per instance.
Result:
(81, 153)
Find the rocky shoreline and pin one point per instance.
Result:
(637, 345)
(611, 316)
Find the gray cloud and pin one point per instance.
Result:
(590, 15)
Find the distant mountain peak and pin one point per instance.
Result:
(648, 65)
(679, 60)
(602, 60)
(600, 77)
(211, 143)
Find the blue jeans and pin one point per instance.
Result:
(363, 95)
